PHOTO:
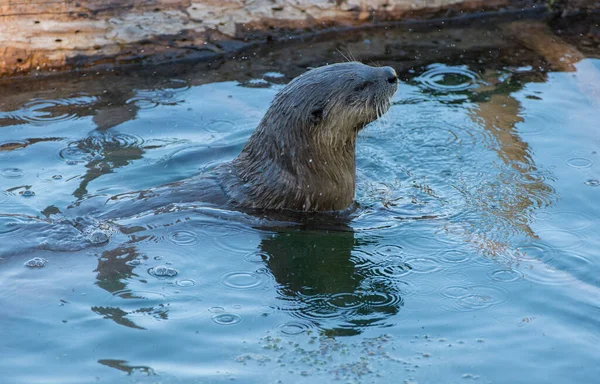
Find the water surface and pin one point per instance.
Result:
(473, 254)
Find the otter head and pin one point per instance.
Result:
(302, 155)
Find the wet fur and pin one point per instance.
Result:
(302, 155)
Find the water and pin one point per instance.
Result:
(473, 254)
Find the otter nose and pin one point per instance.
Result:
(390, 75)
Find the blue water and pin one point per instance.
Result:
(473, 255)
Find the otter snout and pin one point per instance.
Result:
(390, 75)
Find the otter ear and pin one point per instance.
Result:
(316, 114)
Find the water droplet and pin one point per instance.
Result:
(242, 280)
(36, 262)
(579, 162)
(216, 309)
(134, 262)
(11, 173)
(57, 177)
(98, 237)
(226, 319)
(185, 283)
(162, 271)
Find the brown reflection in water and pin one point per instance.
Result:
(124, 366)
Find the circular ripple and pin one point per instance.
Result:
(242, 280)
(163, 271)
(226, 319)
(12, 145)
(480, 297)
(455, 291)
(52, 111)
(345, 300)
(538, 252)
(392, 271)
(292, 328)
(506, 275)
(11, 173)
(216, 309)
(389, 251)
(422, 265)
(186, 283)
(49, 175)
(36, 262)
(27, 193)
(449, 78)
(579, 162)
(454, 256)
(561, 239)
(149, 99)
(592, 183)
(183, 238)
(257, 257)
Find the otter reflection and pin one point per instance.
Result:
(321, 277)
(320, 280)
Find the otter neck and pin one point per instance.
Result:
(308, 171)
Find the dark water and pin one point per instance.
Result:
(474, 255)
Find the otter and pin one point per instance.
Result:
(301, 157)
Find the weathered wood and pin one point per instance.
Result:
(42, 35)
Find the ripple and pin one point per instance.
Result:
(226, 319)
(186, 283)
(12, 145)
(149, 99)
(454, 256)
(345, 300)
(389, 251)
(292, 328)
(12, 173)
(36, 262)
(163, 271)
(422, 265)
(535, 252)
(11, 225)
(476, 297)
(183, 238)
(27, 193)
(242, 280)
(257, 257)
(53, 111)
(592, 183)
(445, 78)
(392, 271)
(216, 309)
(49, 175)
(506, 275)
(561, 239)
(579, 162)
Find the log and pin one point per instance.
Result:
(48, 35)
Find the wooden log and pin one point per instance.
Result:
(42, 35)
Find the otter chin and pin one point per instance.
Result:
(302, 155)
